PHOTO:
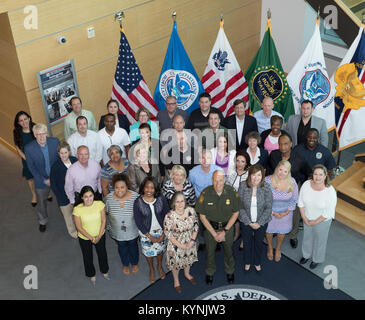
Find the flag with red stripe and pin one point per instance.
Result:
(223, 78)
(129, 87)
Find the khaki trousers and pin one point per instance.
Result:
(67, 214)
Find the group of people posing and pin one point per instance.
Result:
(164, 187)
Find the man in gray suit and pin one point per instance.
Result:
(298, 125)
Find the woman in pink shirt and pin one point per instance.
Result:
(270, 137)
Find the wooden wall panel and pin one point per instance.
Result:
(12, 94)
(85, 52)
(105, 44)
(56, 15)
(148, 26)
(8, 5)
(12, 100)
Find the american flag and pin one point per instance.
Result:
(129, 87)
(223, 78)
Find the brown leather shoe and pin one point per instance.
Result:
(191, 280)
(178, 289)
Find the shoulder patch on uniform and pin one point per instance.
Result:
(201, 198)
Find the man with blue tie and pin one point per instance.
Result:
(41, 154)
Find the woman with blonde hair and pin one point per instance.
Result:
(285, 197)
(141, 167)
(179, 182)
(57, 179)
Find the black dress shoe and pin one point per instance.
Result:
(294, 243)
(201, 247)
(209, 279)
(240, 248)
(42, 227)
(33, 204)
(303, 261)
(50, 199)
(313, 265)
(230, 278)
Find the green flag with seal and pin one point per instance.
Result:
(266, 78)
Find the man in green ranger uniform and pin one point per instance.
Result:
(219, 206)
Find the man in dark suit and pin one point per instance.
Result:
(41, 154)
(241, 122)
(299, 124)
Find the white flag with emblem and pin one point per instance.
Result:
(223, 78)
(308, 80)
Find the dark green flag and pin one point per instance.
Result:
(266, 78)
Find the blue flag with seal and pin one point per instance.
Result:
(178, 77)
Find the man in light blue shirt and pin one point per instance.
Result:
(201, 176)
(263, 116)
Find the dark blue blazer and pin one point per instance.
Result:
(36, 162)
(249, 125)
(264, 157)
(143, 213)
(57, 177)
(123, 122)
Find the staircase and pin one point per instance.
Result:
(349, 185)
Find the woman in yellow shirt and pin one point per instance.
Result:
(90, 220)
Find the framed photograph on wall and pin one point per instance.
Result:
(57, 86)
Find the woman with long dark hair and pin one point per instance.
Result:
(90, 221)
(23, 134)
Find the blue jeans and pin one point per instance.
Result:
(128, 252)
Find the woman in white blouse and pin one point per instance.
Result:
(235, 178)
(317, 205)
(257, 154)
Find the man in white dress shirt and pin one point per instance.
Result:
(110, 135)
(86, 137)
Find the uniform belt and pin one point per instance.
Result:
(218, 225)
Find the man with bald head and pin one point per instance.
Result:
(263, 116)
(166, 117)
(219, 207)
(178, 146)
(84, 172)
